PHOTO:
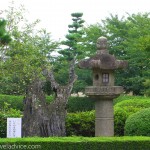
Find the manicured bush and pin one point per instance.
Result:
(80, 124)
(126, 108)
(77, 143)
(5, 113)
(138, 123)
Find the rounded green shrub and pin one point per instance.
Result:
(80, 124)
(138, 124)
(126, 108)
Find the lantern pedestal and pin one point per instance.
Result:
(104, 118)
(104, 113)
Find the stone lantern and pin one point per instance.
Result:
(103, 90)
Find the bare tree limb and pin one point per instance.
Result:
(51, 78)
(72, 75)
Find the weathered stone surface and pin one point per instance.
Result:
(101, 43)
(104, 117)
(102, 60)
(103, 90)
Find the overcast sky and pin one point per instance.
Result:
(55, 14)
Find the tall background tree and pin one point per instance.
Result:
(73, 38)
(129, 39)
(71, 48)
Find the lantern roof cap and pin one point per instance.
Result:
(102, 59)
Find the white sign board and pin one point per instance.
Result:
(14, 127)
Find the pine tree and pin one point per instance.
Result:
(73, 37)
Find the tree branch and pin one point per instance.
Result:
(72, 75)
(51, 78)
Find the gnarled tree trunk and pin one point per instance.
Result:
(42, 119)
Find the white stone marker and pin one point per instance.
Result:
(14, 127)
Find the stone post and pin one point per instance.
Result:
(104, 118)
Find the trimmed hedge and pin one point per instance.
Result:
(77, 143)
(75, 104)
(81, 124)
(138, 123)
(126, 108)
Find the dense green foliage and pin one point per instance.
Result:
(80, 124)
(79, 143)
(126, 108)
(128, 39)
(6, 112)
(80, 104)
(138, 124)
(147, 85)
(27, 55)
(15, 102)
(4, 36)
